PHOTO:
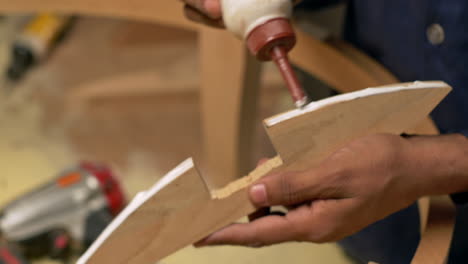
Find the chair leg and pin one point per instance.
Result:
(230, 81)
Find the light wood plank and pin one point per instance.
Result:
(181, 210)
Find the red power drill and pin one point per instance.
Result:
(10, 255)
(61, 217)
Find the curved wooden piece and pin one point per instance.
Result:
(339, 64)
(375, 70)
(180, 209)
(164, 12)
(147, 82)
(330, 65)
(436, 240)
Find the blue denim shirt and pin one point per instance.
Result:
(394, 32)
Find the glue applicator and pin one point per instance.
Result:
(266, 28)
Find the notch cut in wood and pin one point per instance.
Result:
(180, 210)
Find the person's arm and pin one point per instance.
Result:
(356, 186)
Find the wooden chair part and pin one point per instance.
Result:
(180, 209)
(436, 240)
(164, 12)
(229, 95)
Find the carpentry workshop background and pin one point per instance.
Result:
(124, 94)
(128, 133)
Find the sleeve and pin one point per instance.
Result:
(461, 199)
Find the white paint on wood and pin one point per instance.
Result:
(137, 201)
(313, 106)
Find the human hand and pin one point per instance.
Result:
(207, 12)
(356, 186)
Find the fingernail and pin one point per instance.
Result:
(258, 194)
(199, 245)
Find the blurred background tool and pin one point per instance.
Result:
(35, 42)
(10, 255)
(267, 30)
(63, 217)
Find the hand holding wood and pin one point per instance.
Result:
(180, 210)
(361, 183)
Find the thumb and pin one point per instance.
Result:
(290, 188)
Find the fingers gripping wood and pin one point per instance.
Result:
(180, 210)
